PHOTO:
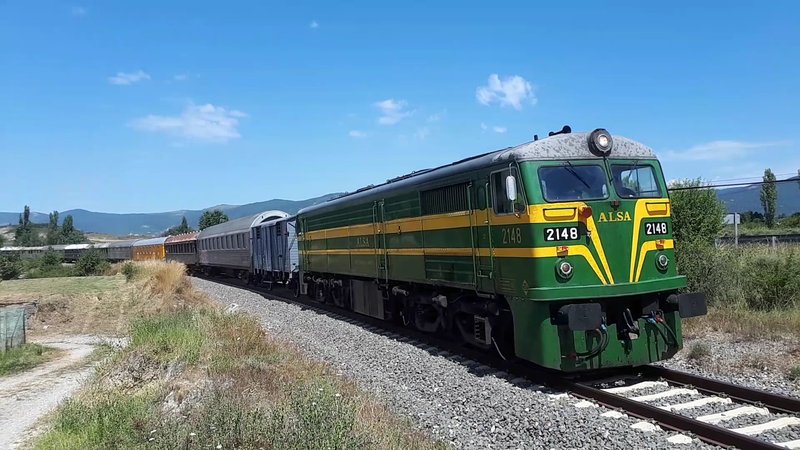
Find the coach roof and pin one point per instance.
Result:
(560, 147)
(241, 224)
(151, 241)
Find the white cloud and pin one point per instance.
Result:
(495, 128)
(313, 24)
(422, 133)
(720, 150)
(207, 123)
(124, 79)
(511, 91)
(392, 111)
(181, 77)
(79, 11)
(436, 117)
(357, 134)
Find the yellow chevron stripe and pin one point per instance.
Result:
(650, 246)
(645, 209)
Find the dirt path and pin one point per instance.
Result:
(27, 396)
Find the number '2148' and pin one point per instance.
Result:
(512, 235)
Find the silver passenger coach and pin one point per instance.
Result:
(274, 251)
(226, 247)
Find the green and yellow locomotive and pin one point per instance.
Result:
(558, 251)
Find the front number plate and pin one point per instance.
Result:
(561, 234)
(655, 228)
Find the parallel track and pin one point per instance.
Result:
(710, 433)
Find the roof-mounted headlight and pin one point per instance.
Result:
(600, 142)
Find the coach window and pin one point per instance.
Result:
(503, 204)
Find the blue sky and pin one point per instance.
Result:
(153, 106)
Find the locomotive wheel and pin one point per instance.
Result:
(321, 293)
(296, 288)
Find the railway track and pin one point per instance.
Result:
(653, 393)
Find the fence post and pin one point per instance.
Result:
(774, 242)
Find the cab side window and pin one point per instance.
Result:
(502, 204)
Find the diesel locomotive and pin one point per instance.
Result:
(558, 251)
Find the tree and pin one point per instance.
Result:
(179, 229)
(91, 263)
(25, 235)
(2, 240)
(52, 229)
(769, 197)
(211, 218)
(697, 213)
(69, 234)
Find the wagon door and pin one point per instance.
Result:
(482, 232)
(379, 242)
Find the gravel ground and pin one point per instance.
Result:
(762, 363)
(468, 406)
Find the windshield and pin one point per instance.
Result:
(633, 180)
(570, 182)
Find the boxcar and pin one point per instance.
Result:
(102, 249)
(225, 248)
(121, 250)
(559, 251)
(73, 252)
(149, 249)
(23, 252)
(274, 251)
(182, 248)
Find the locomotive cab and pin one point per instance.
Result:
(601, 286)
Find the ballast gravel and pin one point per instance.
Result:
(455, 400)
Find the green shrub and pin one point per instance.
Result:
(51, 258)
(771, 280)
(794, 373)
(91, 263)
(130, 271)
(755, 277)
(697, 213)
(10, 267)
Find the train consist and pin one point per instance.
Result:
(558, 251)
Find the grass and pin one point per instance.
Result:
(698, 351)
(196, 377)
(743, 321)
(794, 373)
(23, 358)
(12, 289)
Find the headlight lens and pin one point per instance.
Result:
(600, 142)
(662, 261)
(564, 269)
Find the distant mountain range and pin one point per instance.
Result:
(737, 199)
(143, 224)
(748, 198)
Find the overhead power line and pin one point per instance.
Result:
(714, 186)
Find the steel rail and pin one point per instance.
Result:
(711, 434)
(706, 432)
(773, 402)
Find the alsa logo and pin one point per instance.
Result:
(618, 216)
